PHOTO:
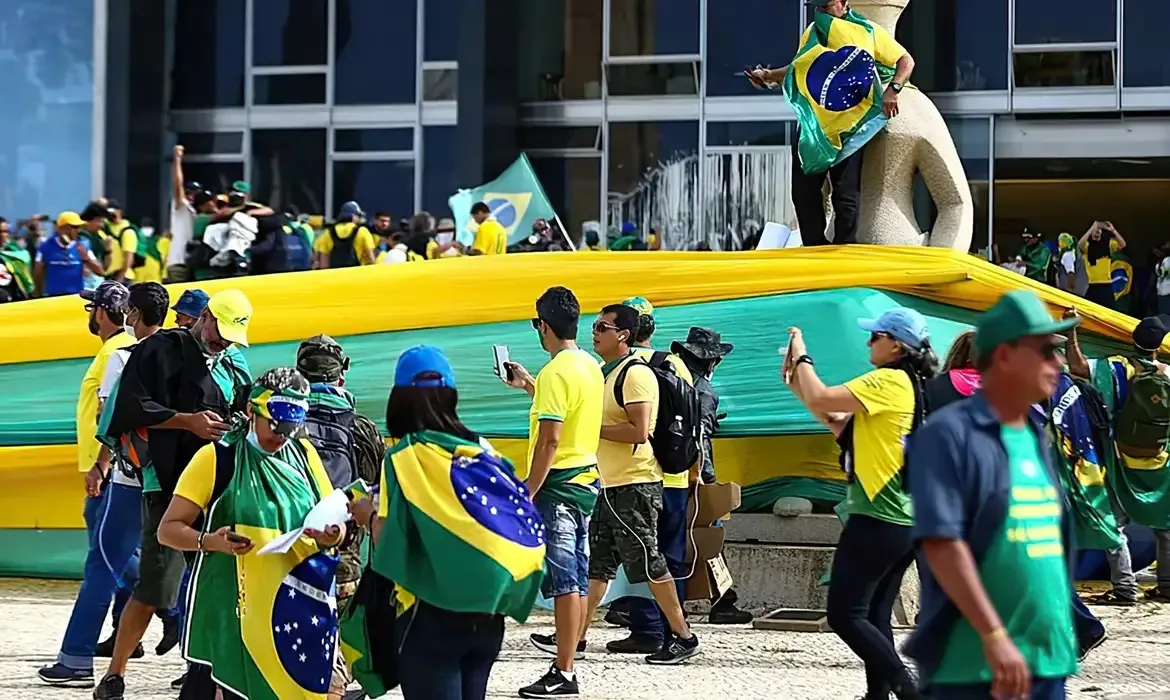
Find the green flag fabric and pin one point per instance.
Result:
(516, 200)
(18, 263)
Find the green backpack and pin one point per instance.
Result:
(1143, 423)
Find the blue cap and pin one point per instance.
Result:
(191, 303)
(907, 326)
(350, 209)
(423, 359)
(629, 227)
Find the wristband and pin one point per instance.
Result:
(996, 633)
(804, 360)
(199, 542)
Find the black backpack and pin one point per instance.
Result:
(343, 253)
(332, 434)
(677, 437)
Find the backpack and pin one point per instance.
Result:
(343, 253)
(300, 251)
(1143, 423)
(677, 437)
(332, 434)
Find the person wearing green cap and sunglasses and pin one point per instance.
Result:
(996, 617)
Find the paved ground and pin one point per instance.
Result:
(737, 662)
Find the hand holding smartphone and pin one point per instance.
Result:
(501, 366)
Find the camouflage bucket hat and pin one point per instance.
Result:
(322, 359)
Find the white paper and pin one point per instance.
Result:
(444, 238)
(331, 510)
(773, 236)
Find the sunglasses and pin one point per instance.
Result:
(603, 327)
(878, 335)
(536, 324)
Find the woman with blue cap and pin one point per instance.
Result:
(872, 415)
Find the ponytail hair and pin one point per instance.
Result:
(920, 365)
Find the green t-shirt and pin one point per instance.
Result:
(1026, 578)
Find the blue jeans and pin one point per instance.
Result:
(566, 530)
(114, 524)
(645, 615)
(1042, 689)
(445, 655)
(1088, 627)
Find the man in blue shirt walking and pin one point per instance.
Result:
(62, 258)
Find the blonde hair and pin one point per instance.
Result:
(961, 355)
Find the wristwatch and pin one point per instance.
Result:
(804, 360)
(896, 87)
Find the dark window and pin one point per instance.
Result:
(653, 79)
(1074, 21)
(744, 33)
(217, 177)
(290, 89)
(288, 33)
(209, 54)
(440, 84)
(440, 42)
(212, 143)
(544, 137)
(350, 140)
(573, 185)
(653, 27)
(386, 185)
(957, 45)
(288, 169)
(440, 161)
(748, 133)
(1064, 69)
(373, 34)
(560, 57)
(653, 175)
(1146, 64)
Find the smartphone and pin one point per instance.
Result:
(501, 368)
(786, 352)
(237, 538)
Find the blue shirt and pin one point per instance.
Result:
(64, 265)
(960, 484)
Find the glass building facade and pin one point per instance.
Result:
(631, 110)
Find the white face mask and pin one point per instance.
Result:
(129, 331)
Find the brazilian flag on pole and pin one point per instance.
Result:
(835, 86)
(516, 200)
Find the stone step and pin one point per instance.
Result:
(769, 576)
(765, 528)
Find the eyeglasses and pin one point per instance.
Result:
(603, 327)
(878, 335)
(89, 308)
(536, 324)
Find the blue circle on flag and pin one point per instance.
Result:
(1120, 279)
(839, 80)
(503, 211)
(495, 498)
(304, 622)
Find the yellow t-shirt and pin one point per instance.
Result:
(886, 49)
(197, 482)
(87, 401)
(363, 244)
(490, 238)
(622, 463)
(879, 434)
(672, 481)
(117, 245)
(568, 390)
(1100, 272)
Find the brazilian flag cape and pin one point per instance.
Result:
(266, 624)
(18, 262)
(1121, 275)
(835, 86)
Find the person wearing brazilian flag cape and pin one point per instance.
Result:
(843, 85)
(455, 532)
(260, 626)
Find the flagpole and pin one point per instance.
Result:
(564, 232)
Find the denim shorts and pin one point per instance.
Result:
(566, 566)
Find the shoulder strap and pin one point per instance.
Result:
(658, 357)
(225, 468)
(620, 382)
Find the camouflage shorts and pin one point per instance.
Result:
(624, 530)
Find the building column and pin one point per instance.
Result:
(489, 102)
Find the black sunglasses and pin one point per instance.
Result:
(602, 327)
(878, 335)
(536, 323)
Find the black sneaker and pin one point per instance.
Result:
(675, 650)
(105, 649)
(177, 684)
(61, 675)
(1112, 597)
(617, 618)
(553, 684)
(548, 644)
(1091, 645)
(1157, 595)
(170, 635)
(111, 688)
(634, 644)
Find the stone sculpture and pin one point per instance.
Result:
(916, 141)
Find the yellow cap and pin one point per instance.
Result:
(232, 312)
(69, 218)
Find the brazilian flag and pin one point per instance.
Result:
(18, 263)
(835, 86)
(1121, 275)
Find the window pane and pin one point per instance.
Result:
(743, 192)
(440, 161)
(46, 84)
(653, 177)
(653, 79)
(217, 177)
(537, 137)
(290, 89)
(441, 44)
(364, 39)
(1146, 64)
(1074, 21)
(440, 84)
(208, 73)
(574, 187)
(560, 58)
(373, 140)
(386, 186)
(653, 27)
(748, 133)
(957, 44)
(1064, 69)
(208, 143)
(972, 138)
(289, 32)
(288, 169)
(745, 33)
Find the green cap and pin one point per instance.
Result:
(1017, 314)
(641, 305)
